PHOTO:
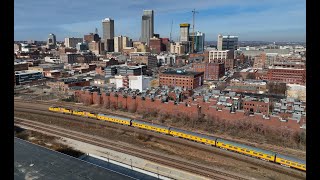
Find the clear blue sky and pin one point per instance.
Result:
(266, 20)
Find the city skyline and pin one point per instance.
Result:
(280, 20)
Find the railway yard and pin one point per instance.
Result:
(178, 153)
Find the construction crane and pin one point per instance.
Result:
(171, 31)
(193, 21)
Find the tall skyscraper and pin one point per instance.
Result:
(52, 42)
(108, 28)
(227, 42)
(147, 26)
(108, 33)
(184, 32)
(51, 39)
(198, 41)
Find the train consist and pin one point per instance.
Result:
(200, 138)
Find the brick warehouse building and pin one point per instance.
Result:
(256, 106)
(212, 71)
(228, 63)
(286, 75)
(65, 84)
(155, 45)
(179, 78)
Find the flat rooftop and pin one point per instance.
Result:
(184, 73)
(35, 162)
(23, 72)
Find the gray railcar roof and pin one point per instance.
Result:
(150, 124)
(194, 134)
(117, 117)
(247, 147)
(291, 159)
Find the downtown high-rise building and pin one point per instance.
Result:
(184, 32)
(199, 40)
(52, 39)
(147, 26)
(51, 42)
(227, 42)
(71, 42)
(121, 42)
(108, 34)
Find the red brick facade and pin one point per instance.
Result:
(286, 75)
(228, 63)
(212, 71)
(256, 107)
(184, 80)
(165, 44)
(155, 45)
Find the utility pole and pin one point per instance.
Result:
(193, 14)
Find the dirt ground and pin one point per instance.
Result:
(41, 139)
(152, 144)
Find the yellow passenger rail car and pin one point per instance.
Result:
(248, 150)
(66, 110)
(54, 109)
(150, 126)
(210, 140)
(77, 112)
(114, 119)
(291, 162)
(90, 115)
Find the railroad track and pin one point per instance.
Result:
(68, 104)
(173, 140)
(182, 165)
(148, 120)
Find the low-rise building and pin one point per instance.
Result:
(27, 76)
(286, 75)
(125, 70)
(155, 45)
(296, 91)
(212, 71)
(20, 66)
(178, 48)
(216, 54)
(72, 58)
(63, 85)
(166, 59)
(140, 82)
(150, 61)
(228, 63)
(141, 46)
(260, 84)
(180, 78)
(254, 105)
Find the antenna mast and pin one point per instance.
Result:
(193, 14)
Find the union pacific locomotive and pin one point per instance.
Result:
(200, 138)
